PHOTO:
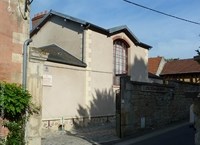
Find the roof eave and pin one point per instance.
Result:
(146, 46)
(40, 24)
(128, 32)
(96, 28)
(87, 25)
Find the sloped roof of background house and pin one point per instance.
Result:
(108, 32)
(182, 66)
(153, 64)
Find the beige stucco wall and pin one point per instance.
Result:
(102, 52)
(67, 35)
(100, 70)
(62, 97)
(89, 89)
(99, 58)
(139, 60)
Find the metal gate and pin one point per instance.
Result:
(118, 114)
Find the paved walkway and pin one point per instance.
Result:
(81, 136)
(61, 138)
(96, 135)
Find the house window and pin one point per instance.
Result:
(120, 59)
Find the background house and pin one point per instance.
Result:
(155, 67)
(84, 64)
(186, 70)
(156, 64)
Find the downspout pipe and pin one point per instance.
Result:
(25, 57)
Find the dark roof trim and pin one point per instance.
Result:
(179, 73)
(144, 45)
(125, 29)
(87, 25)
(129, 33)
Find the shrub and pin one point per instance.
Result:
(15, 104)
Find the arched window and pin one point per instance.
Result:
(120, 59)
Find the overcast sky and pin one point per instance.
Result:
(169, 37)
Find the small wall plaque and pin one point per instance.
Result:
(47, 80)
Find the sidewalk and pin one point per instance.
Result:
(61, 138)
(91, 135)
(104, 134)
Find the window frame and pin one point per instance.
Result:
(120, 56)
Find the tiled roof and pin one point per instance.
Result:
(153, 64)
(182, 66)
(59, 55)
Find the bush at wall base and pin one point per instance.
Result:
(15, 104)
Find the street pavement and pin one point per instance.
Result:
(177, 135)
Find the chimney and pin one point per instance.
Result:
(37, 17)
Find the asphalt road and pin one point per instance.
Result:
(180, 136)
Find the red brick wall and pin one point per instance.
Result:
(11, 22)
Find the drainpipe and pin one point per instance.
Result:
(25, 56)
(24, 77)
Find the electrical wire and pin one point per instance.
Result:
(30, 2)
(169, 15)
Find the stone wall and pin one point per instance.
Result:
(35, 79)
(70, 124)
(197, 120)
(149, 106)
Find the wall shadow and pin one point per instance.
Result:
(96, 121)
(138, 70)
(103, 103)
(100, 110)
